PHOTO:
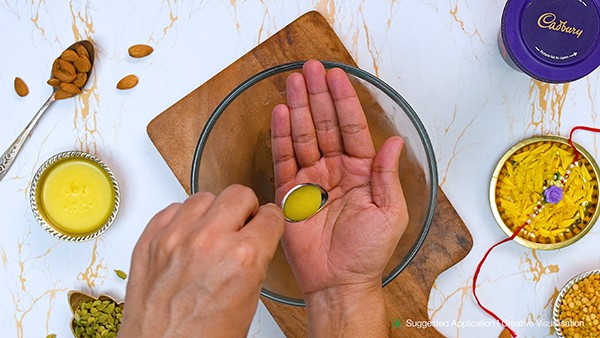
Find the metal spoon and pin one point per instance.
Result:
(8, 158)
(322, 195)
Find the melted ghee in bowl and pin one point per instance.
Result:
(76, 196)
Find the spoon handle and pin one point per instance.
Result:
(8, 158)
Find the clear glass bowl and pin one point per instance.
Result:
(235, 147)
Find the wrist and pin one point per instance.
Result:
(348, 311)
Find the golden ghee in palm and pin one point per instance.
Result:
(303, 201)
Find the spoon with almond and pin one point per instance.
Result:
(70, 72)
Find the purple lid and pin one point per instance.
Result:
(553, 40)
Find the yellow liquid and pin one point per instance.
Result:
(77, 196)
(302, 203)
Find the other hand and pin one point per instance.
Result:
(198, 267)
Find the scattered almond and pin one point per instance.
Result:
(140, 51)
(127, 82)
(69, 88)
(21, 87)
(80, 80)
(70, 55)
(60, 95)
(66, 66)
(54, 82)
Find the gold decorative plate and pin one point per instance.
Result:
(513, 196)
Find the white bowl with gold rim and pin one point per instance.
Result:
(531, 236)
(74, 196)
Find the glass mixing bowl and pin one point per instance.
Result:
(235, 147)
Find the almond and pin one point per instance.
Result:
(69, 88)
(67, 67)
(63, 76)
(55, 66)
(80, 80)
(82, 51)
(69, 55)
(54, 82)
(60, 95)
(83, 64)
(140, 51)
(127, 82)
(21, 87)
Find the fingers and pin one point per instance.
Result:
(325, 114)
(266, 228)
(351, 118)
(159, 222)
(231, 208)
(284, 159)
(303, 130)
(386, 189)
(323, 109)
(194, 207)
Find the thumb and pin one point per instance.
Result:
(266, 228)
(386, 190)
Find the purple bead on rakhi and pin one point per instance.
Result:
(553, 194)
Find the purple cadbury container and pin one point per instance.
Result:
(554, 41)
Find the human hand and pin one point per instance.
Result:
(199, 265)
(321, 136)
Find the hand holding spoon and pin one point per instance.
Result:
(70, 73)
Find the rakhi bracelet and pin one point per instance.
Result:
(550, 194)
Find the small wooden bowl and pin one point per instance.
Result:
(75, 298)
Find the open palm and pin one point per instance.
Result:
(321, 136)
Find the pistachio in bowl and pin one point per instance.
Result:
(94, 316)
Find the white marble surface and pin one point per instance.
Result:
(440, 55)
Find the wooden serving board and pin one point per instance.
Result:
(175, 133)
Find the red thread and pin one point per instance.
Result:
(572, 144)
(516, 233)
(512, 332)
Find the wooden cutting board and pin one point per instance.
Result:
(175, 133)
